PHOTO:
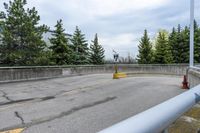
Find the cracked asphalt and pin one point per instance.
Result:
(80, 104)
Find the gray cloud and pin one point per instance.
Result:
(119, 23)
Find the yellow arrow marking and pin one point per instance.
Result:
(19, 130)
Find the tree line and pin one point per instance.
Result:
(169, 48)
(21, 40)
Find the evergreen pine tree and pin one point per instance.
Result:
(179, 43)
(96, 52)
(186, 41)
(22, 40)
(196, 43)
(1, 29)
(172, 43)
(60, 45)
(145, 50)
(80, 48)
(1, 26)
(162, 50)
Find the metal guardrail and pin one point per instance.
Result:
(158, 118)
(195, 68)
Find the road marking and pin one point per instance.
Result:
(19, 130)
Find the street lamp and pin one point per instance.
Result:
(5, 5)
(117, 74)
(116, 57)
(191, 33)
(2, 15)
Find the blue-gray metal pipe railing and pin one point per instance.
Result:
(158, 118)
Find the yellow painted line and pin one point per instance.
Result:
(19, 130)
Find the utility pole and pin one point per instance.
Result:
(191, 33)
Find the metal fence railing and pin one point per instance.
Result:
(158, 118)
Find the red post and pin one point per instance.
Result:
(185, 83)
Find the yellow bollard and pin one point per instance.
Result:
(119, 75)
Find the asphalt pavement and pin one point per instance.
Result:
(80, 104)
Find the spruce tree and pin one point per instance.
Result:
(145, 55)
(22, 37)
(179, 45)
(96, 52)
(172, 44)
(162, 50)
(1, 26)
(185, 48)
(61, 53)
(2, 16)
(178, 41)
(196, 43)
(80, 48)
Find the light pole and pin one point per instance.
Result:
(116, 56)
(191, 33)
(117, 74)
(5, 5)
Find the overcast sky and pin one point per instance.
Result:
(119, 23)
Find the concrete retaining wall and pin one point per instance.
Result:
(90, 69)
(193, 77)
(131, 69)
(12, 74)
(154, 69)
(9, 74)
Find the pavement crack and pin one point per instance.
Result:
(47, 98)
(16, 101)
(20, 117)
(73, 110)
(62, 114)
(27, 100)
(5, 95)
